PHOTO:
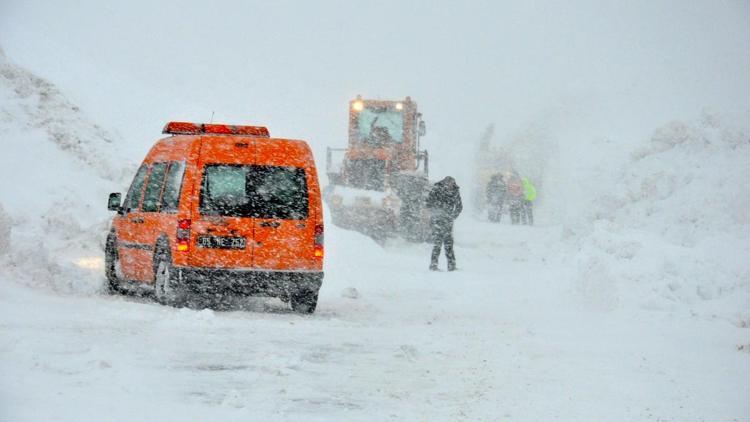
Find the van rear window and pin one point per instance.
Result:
(254, 191)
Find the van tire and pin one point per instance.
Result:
(111, 261)
(304, 302)
(166, 290)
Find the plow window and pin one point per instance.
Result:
(381, 126)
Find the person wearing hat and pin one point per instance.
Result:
(444, 204)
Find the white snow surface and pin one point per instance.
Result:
(629, 300)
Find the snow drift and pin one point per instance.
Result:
(671, 230)
(58, 168)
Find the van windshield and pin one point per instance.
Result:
(254, 191)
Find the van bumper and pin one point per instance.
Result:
(248, 282)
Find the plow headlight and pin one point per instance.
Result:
(399, 106)
(358, 106)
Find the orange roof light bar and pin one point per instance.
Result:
(218, 129)
(182, 128)
(186, 128)
(261, 131)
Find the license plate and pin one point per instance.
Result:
(221, 242)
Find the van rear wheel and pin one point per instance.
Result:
(165, 287)
(304, 302)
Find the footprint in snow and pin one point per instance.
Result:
(407, 352)
(350, 293)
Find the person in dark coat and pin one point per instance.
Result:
(496, 191)
(444, 204)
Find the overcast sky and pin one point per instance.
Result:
(295, 65)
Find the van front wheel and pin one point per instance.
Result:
(304, 302)
(111, 266)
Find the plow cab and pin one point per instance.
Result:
(378, 183)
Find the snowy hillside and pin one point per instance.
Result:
(58, 169)
(628, 301)
(673, 230)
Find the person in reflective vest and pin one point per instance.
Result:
(529, 193)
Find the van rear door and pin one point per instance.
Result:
(222, 214)
(285, 221)
(253, 205)
(283, 234)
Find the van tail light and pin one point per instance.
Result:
(183, 235)
(319, 240)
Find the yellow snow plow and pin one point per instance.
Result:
(378, 184)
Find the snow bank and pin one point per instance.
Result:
(687, 182)
(56, 165)
(40, 105)
(672, 232)
(657, 221)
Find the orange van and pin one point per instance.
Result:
(220, 209)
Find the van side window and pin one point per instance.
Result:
(153, 188)
(170, 199)
(133, 198)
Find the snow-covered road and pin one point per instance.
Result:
(505, 338)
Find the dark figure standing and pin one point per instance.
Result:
(444, 203)
(496, 191)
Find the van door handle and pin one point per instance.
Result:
(273, 224)
(136, 220)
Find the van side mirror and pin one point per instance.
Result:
(422, 128)
(114, 202)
